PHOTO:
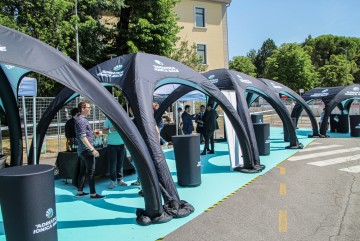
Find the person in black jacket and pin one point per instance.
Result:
(187, 121)
(70, 132)
(210, 125)
(200, 123)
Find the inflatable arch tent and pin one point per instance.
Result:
(138, 75)
(281, 89)
(18, 49)
(10, 77)
(245, 87)
(340, 96)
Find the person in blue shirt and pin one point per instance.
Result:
(187, 119)
(116, 154)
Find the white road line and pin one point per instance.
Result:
(353, 169)
(335, 161)
(319, 148)
(326, 153)
(315, 143)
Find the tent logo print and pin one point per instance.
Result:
(276, 86)
(159, 67)
(325, 90)
(49, 213)
(244, 80)
(9, 66)
(159, 62)
(117, 68)
(2, 48)
(356, 88)
(212, 79)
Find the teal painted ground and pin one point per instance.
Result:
(113, 218)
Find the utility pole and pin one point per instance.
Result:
(77, 34)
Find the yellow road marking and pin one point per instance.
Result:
(282, 189)
(283, 225)
(282, 170)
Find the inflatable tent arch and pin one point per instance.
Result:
(229, 80)
(47, 61)
(340, 96)
(281, 89)
(138, 75)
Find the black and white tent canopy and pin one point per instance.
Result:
(17, 49)
(247, 90)
(340, 96)
(138, 75)
(281, 89)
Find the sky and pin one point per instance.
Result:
(251, 22)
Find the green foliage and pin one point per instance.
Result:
(263, 53)
(292, 66)
(54, 21)
(243, 64)
(187, 55)
(147, 26)
(335, 72)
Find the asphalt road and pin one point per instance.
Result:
(314, 195)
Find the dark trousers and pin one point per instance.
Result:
(87, 168)
(200, 131)
(209, 136)
(116, 154)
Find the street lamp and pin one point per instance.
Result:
(346, 52)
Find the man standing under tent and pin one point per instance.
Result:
(116, 154)
(200, 123)
(210, 125)
(86, 151)
(187, 120)
(70, 132)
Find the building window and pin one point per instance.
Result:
(199, 17)
(201, 52)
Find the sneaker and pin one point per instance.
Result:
(203, 153)
(97, 196)
(112, 184)
(211, 152)
(141, 193)
(136, 183)
(122, 183)
(82, 194)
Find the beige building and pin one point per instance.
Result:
(204, 23)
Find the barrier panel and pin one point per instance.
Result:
(355, 125)
(262, 134)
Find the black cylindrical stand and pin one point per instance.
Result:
(355, 125)
(27, 197)
(257, 118)
(262, 134)
(187, 158)
(339, 123)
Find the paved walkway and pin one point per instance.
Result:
(314, 195)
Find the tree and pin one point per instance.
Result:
(188, 56)
(53, 22)
(292, 66)
(252, 55)
(243, 64)
(263, 53)
(335, 72)
(147, 26)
